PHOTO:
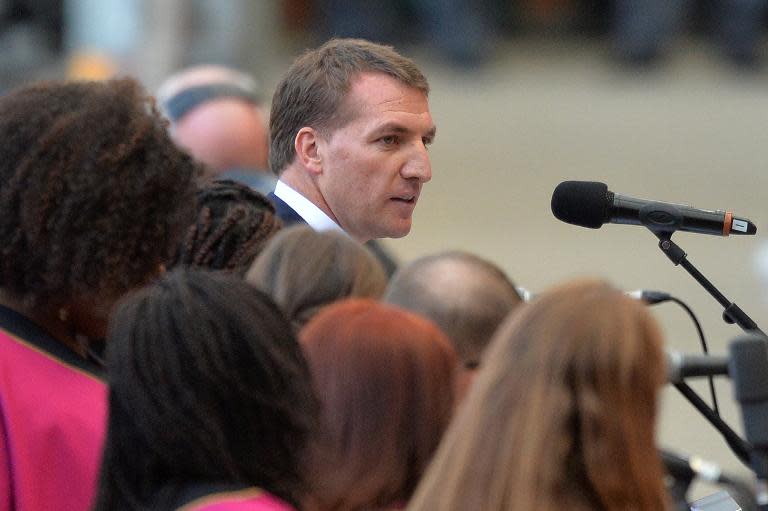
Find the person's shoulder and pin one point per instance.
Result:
(286, 213)
(28, 347)
(249, 499)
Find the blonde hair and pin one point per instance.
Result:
(304, 270)
(562, 415)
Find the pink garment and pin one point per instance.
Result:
(53, 411)
(244, 500)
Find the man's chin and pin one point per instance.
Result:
(379, 231)
(399, 234)
(398, 231)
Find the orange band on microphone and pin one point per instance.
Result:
(727, 223)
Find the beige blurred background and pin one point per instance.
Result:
(692, 133)
(548, 105)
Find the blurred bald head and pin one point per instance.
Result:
(216, 115)
(467, 296)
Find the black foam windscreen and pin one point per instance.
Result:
(583, 203)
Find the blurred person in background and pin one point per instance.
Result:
(31, 40)
(385, 380)
(466, 296)
(562, 414)
(233, 225)
(462, 31)
(217, 115)
(304, 270)
(210, 400)
(94, 199)
(644, 29)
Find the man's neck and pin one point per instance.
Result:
(303, 184)
(305, 208)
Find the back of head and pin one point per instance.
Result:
(216, 115)
(313, 90)
(385, 377)
(94, 193)
(562, 413)
(467, 296)
(304, 270)
(207, 385)
(200, 76)
(233, 225)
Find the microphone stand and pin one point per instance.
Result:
(732, 313)
(755, 456)
(747, 368)
(740, 447)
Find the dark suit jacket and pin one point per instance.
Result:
(289, 217)
(286, 213)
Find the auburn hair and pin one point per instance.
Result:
(385, 380)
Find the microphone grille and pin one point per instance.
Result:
(583, 203)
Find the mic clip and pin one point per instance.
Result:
(660, 217)
(671, 249)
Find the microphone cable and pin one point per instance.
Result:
(703, 341)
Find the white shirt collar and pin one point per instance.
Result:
(314, 216)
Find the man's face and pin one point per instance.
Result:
(373, 167)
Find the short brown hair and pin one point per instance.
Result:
(313, 90)
(385, 380)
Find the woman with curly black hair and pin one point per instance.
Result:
(93, 200)
(210, 401)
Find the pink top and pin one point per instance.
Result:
(53, 409)
(249, 499)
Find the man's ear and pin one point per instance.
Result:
(307, 150)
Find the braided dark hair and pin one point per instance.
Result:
(94, 192)
(232, 227)
(207, 384)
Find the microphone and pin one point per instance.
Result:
(689, 468)
(681, 366)
(749, 368)
(590, 204)
(524, 294)
(648, 296)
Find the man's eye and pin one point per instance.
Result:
(388, 140)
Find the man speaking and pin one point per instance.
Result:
(349, 126)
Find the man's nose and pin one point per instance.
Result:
(418, 166)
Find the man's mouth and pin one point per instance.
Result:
(408, 199)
